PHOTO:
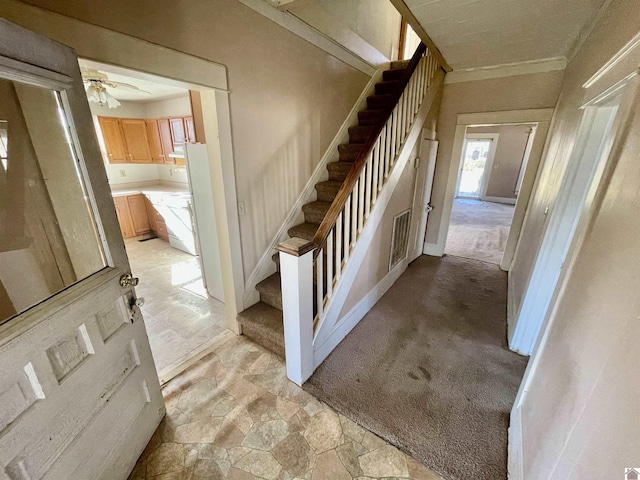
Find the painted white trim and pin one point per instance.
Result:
(607, 67)
(505, 117)
(541, 116)
(310, 34)
(344, 285)
(506, 70)
(433, 249)
(582, 176)
(507, 200)
(515, 464)
(265, 265)
(357, 313)
(488, 166)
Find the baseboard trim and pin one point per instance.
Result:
(433, 249)
(357, 313)
(510, 201)
(515, 463)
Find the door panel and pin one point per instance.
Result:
(79, 393)
(165, 138)
(139, 216)
(422, 197)
(155, 145)
(135, 136)
(113, 141)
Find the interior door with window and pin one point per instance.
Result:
(79, 395)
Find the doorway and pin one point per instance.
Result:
(492, 163)
(152, 142)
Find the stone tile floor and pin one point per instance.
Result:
(178, 314)
(235, 415)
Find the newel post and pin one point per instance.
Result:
(296, 274)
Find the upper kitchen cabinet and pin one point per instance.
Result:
(155, 143)
(166, 139)
(114, 143)
(190, 129)
(135, 136)
(178, 131)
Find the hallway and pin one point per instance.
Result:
(432, 376)
(478, 230)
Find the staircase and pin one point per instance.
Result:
(263, 322)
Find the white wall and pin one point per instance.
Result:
(369, 28)
(580, 413)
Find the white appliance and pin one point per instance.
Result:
(197, 162)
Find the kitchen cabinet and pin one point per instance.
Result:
(190, 129)
(151, 140)
(113, 141)
(155, 143)
(132, 215)
(138, 212)
(165, 139)
(156, 221)
(134, 132)
(124, 216)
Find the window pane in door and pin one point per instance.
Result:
(48, 237)
(474, 162)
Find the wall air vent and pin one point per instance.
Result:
(399, 238)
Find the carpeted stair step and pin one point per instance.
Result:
(315, 212)
(378, 102)
(349, 151)
(276, 259)
(339, 170)
(270, 291)
(263, 324)
(385, 88)
(401, 64)
(327, 191)
(360, 134)
(390, 75)
(304, 230)
(369, 117)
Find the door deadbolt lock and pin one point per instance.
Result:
(128, 280)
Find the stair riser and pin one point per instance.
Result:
(378, 102)
(272, 298)
(327, 194)
(359, 134)
(391, 75)
(256, 335)
(386, 88)
(349, 152)
(339, 170)
(315, 217)
(368, 117)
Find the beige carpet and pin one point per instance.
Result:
(478, 230)
(428, 369)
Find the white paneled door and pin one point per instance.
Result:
(79, 394)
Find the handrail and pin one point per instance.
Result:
(330, 219)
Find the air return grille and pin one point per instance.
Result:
(399, 238)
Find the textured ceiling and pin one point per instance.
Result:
(480, 33)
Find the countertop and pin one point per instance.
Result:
(148, 190)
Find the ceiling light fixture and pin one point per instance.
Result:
(96, 92)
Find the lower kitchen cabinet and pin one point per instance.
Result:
(132, 215)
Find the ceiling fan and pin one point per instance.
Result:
(97, 83)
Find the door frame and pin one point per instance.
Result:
(484, 182)
(543, 118)
(210, 78)
(558, 245)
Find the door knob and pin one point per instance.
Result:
(128, 280)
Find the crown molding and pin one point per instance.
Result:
(506, 70)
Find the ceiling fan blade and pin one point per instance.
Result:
(127, 86)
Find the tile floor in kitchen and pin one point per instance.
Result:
(178, 314)
(235, 415)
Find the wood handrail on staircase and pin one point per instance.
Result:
(338, 204)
